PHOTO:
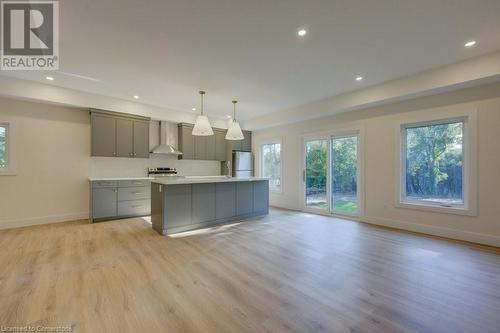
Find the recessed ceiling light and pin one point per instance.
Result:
(359, 78)
(470, 44)
(302, 32)
(50, 78)
(136, 97)
(228, 117)
(193, 109)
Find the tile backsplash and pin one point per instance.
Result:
(136, 167)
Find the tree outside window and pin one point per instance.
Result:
(434, 163)
(271, 165)
(3, 147)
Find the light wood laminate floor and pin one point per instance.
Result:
(287, 272)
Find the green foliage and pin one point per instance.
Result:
(345, 165)
(434, 161)
(316, 165)
(2, 147)
(271, 163)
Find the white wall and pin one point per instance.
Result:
(52, 153)
(380, 141)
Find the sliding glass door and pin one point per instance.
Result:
(331, 169)
(316, 174)
(344, 180)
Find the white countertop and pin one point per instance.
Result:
(120, 178)
(200, 180)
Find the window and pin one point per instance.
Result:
(271, 165)
(4, 135)
(434, 163)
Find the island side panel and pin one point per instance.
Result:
(178, 204)
(157, 208)
(225, 200)
(261, 197)
(244, 198)
(203, 203)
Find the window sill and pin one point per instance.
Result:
(437, 209)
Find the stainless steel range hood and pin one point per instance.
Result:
(165, 147)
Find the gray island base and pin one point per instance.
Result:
(182, 205)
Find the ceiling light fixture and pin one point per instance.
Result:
(50, 78)
(193, 109)
(136, 97)
(302, 32)
(202, 125)
(470, 44)
(234, 130)
(359, 78)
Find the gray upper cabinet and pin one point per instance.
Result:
(186, 141)
(220, 145)
(200, 148)
(141, 139)
(120, 135)
(124, 138)
(246, 143)
(103, 135)
(210, 148)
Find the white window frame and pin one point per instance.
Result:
(261, 163)
(9, 168)
(337, 132)
(469, 164)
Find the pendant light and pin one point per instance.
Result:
(234, 130)
(202, 125)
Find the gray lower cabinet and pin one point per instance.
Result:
(203, 202)
(121, 135)
(225, 200)
(244, 198)
(182, 207)
(178, 202)
(104, 202)
(112, 199)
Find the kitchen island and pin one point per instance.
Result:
(185, 203)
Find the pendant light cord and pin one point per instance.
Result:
(234, 111)
(201, 96)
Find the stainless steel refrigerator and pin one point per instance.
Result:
(242, 164)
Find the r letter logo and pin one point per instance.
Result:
(30, 35)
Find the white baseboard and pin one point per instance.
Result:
(7, 224)
(462, 235)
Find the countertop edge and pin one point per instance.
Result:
(205, 181)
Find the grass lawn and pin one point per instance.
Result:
(341, 206)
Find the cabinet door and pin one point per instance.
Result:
(225, 200)
(235, 144)
(203, 202)
(178, 204)
(141, 139)
(124, 137)
(104, 202)
(220, 145)
(210, 147)
(200, 147)
(246, 143)
(261, 197)
(103, 136)
(186, 142)
(244, 198)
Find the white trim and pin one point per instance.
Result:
(462, 235)
(469, 118)
(7, 224)
(271, 142)
(338, 132)
(10, 148)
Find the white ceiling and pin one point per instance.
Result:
(165, 51)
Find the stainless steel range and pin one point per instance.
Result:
(162, 172)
